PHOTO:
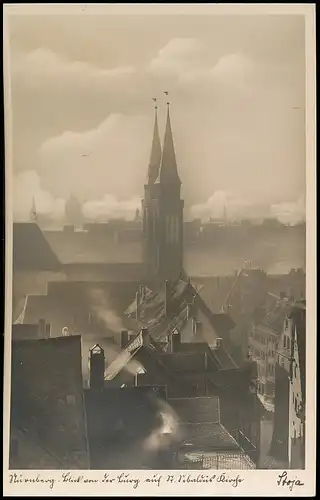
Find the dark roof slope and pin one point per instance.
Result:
(47, 396)
(31, 251)
(86, 247)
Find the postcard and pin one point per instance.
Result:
(160, 295)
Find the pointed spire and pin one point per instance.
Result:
(33, 213)
(155, 155)
(168, 173)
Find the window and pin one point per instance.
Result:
(288, 343)
(286, 323)
(285, 341)
(71, 399)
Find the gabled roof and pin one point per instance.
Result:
(160, 322)
(31, 251)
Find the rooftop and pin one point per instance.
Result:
(31, 251)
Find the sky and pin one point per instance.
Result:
(82, 115)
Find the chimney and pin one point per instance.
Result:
(69, 229)
(96, 367)
(175, 340)
(145, 336)
(124, 338)
(282, 295)
(218, 342)
(48, 330)
(42, 328)
(138, 305)
(198, 328)
(166, 298)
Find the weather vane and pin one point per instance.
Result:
(155, 102)
(167, 94)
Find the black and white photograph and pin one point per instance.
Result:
(157, 211)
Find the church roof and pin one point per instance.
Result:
(168, 173)
(31, 251)
(84, 247)
(155, 154)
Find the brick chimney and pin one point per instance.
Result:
(48, 330)
(42, 328)
(124, 338)
(166, 298)
(218, 342)
(145, 336)
(97, 367)
(175, 341)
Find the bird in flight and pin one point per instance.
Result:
(295, 107)
(86, 154)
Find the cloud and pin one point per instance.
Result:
(177, 56)
(26, 186)
(109, 207)
(44, 67)
(223, 204)
(227, 205)
(111, 158)
(290, 212)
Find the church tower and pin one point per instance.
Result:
(163, 210)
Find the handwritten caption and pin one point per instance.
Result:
(127, 479)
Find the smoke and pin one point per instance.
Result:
(99, 305)
(110, 208)
(26, 187)
(168, 430)
(228, 206)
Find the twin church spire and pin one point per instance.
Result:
(163, 165)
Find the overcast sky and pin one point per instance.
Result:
(84, 85)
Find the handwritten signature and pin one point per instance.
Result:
(283, 480)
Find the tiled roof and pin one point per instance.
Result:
(86, 247)
(161, 323)
(209, 436)
(31, 251)
(196, 410)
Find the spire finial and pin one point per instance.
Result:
(167, 94)
(155, 103)
(33, 210)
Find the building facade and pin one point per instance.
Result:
(288, 441)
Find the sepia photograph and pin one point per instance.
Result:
(156, 180)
